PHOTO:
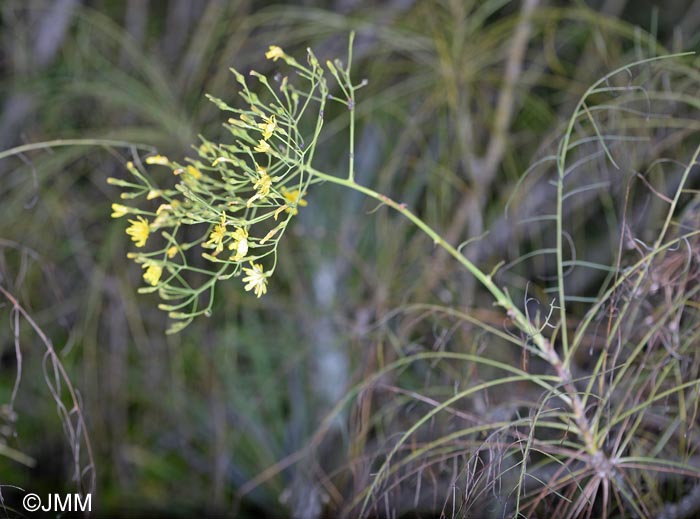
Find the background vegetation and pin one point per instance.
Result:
(291, 404)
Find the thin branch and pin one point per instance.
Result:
(51, 352)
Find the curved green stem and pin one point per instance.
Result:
(570, 394)
(73, 142)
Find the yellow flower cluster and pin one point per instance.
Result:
(238, 240)
(218, 202)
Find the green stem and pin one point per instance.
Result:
(351, 106)
(351, 163)
(502, 299)
(73, 142)
(560, 265)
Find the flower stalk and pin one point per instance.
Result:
(239, 190)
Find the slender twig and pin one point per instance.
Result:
(64, 375)
(73, 142)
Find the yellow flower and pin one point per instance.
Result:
(240, 244)
(216, 238)
(153, 193)
(256, 279)
(171, 252)
(263, 147)
(206, 148)
(269, 126)
(294, 199)
(274, 53)
(120, 210)
(194, 172)
(153, 273)
(139, 231)
(262, 185)
(158, 159)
